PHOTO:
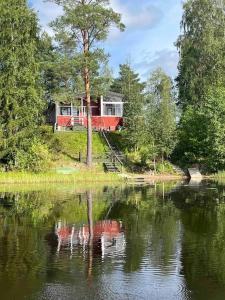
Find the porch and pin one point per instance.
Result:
(106, 110)
(105, 115)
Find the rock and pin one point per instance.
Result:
(194, 173)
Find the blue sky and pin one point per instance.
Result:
(152, 27)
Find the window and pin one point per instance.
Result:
(113, 109)
(65, 111)
(109, 110)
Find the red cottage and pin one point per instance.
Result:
(107, 113)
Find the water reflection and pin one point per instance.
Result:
(107, 237)
(165, 241)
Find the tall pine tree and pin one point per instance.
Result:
(85, 23)
(21, 104)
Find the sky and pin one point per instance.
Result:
(152, 28)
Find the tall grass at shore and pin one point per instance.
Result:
(219, 175)
(83, 176)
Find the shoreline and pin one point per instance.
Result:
(55, 178)
(82, 176)
(88, 177)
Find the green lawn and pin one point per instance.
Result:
(71, 143)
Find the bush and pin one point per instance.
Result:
(142, 157)
(135, 157)
(35, 158)
(165, 168)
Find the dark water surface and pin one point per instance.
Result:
(162, 241)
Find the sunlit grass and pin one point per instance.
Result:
(81, 176)
(219, 175)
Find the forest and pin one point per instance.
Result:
(179, 120)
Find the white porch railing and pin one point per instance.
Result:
(75, 111)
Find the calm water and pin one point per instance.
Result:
(164, 241)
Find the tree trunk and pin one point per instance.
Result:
(88, 99)
(89, 123)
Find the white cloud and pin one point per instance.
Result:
(138, 16)
(135, 17)
(47, 12)
(166, 59)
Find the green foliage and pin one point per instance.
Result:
(118, 139)
(150, 116)
(160, 113)
(165, 168)
(202, 49)
(142, 157)
(130, 86)
(36, 157)
(21, 105)
(201, 85)
(202, 131)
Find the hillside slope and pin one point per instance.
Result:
(73, 143)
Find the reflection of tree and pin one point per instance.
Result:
(203, 243)
(151, 226)
(90, 227)
(21, 258)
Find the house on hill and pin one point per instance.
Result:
(106, 113)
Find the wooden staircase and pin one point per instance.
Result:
(111, 167)
(113, 162)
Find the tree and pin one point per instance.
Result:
(160, 112)
(60, 78)
(201, 82)
(202, 131)
(21, 104)
(128, 83)
(85, 23)
(202, 48)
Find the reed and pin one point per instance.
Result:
(219, 175)
(82, 176)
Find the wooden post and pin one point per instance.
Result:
(80, 156)
(101, 102)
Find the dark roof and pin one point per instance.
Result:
(110, 97)
(113, 97)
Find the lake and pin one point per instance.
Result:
(156, 241)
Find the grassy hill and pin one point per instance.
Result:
(71, 143)
(66, 146)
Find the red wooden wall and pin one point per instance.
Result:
(108, 123)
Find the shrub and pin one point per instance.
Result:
(135, 157)
(35, 158)
(165, 167)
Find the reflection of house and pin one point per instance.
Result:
(106, 113)
(107, 235)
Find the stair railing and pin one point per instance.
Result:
(114, 157)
